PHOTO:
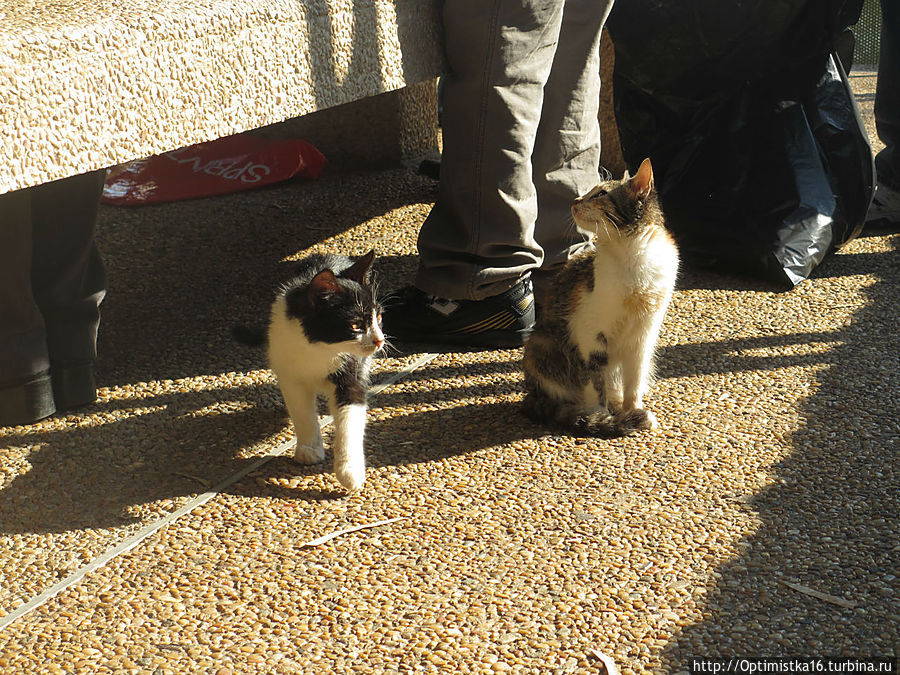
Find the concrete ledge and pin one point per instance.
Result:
(87, 85)
(386, 130)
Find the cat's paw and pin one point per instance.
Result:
(350, 476)
(638, 419)
(615, 405)
(309, 454)
(643, 419)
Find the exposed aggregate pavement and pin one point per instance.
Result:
(774, 468)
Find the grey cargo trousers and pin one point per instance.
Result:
(521, 141)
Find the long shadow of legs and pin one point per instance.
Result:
(429, 435)
(830, 520)
(91, 477)
(181, 304)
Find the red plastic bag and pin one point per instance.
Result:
(218, 167)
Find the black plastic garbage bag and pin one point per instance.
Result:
(760, 157)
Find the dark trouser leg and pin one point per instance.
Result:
(25, 392)
(887, 96)
(69, 281)
(51, 285)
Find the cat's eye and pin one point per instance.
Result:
(599, 193)
(356, 327)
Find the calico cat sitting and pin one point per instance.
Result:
(589, 360)
(324, 327)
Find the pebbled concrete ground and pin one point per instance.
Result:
(773, 475)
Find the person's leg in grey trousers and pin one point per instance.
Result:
(51, 285)
(521, 142)
(566, 155)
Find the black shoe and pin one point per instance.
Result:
(501, 321)
(64, 387)
(885, 207)
(27, 402)
(74, 385)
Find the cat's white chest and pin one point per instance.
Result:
(631, 291)
(292, 356)
(600, 313)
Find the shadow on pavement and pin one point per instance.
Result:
(830, 518)
(154, 449)
(182, 274)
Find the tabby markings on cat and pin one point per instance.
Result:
(324, 328)
(589, 361)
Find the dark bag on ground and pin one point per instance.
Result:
(760, 156)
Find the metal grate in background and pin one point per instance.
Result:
(867, 33)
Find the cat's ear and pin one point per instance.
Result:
(642, 183)
(359, 270)
(323, 285)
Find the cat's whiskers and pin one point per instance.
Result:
(646, 235)
(390, 300)
(388, 349)
(604, 228)
(572, 226)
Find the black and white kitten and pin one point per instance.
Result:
(324, 327)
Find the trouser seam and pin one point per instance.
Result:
(482, 122)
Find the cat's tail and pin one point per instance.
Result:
(545, 410)
(252, 336)
(605, 425)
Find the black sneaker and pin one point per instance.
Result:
(885, 207)
(501, 321)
